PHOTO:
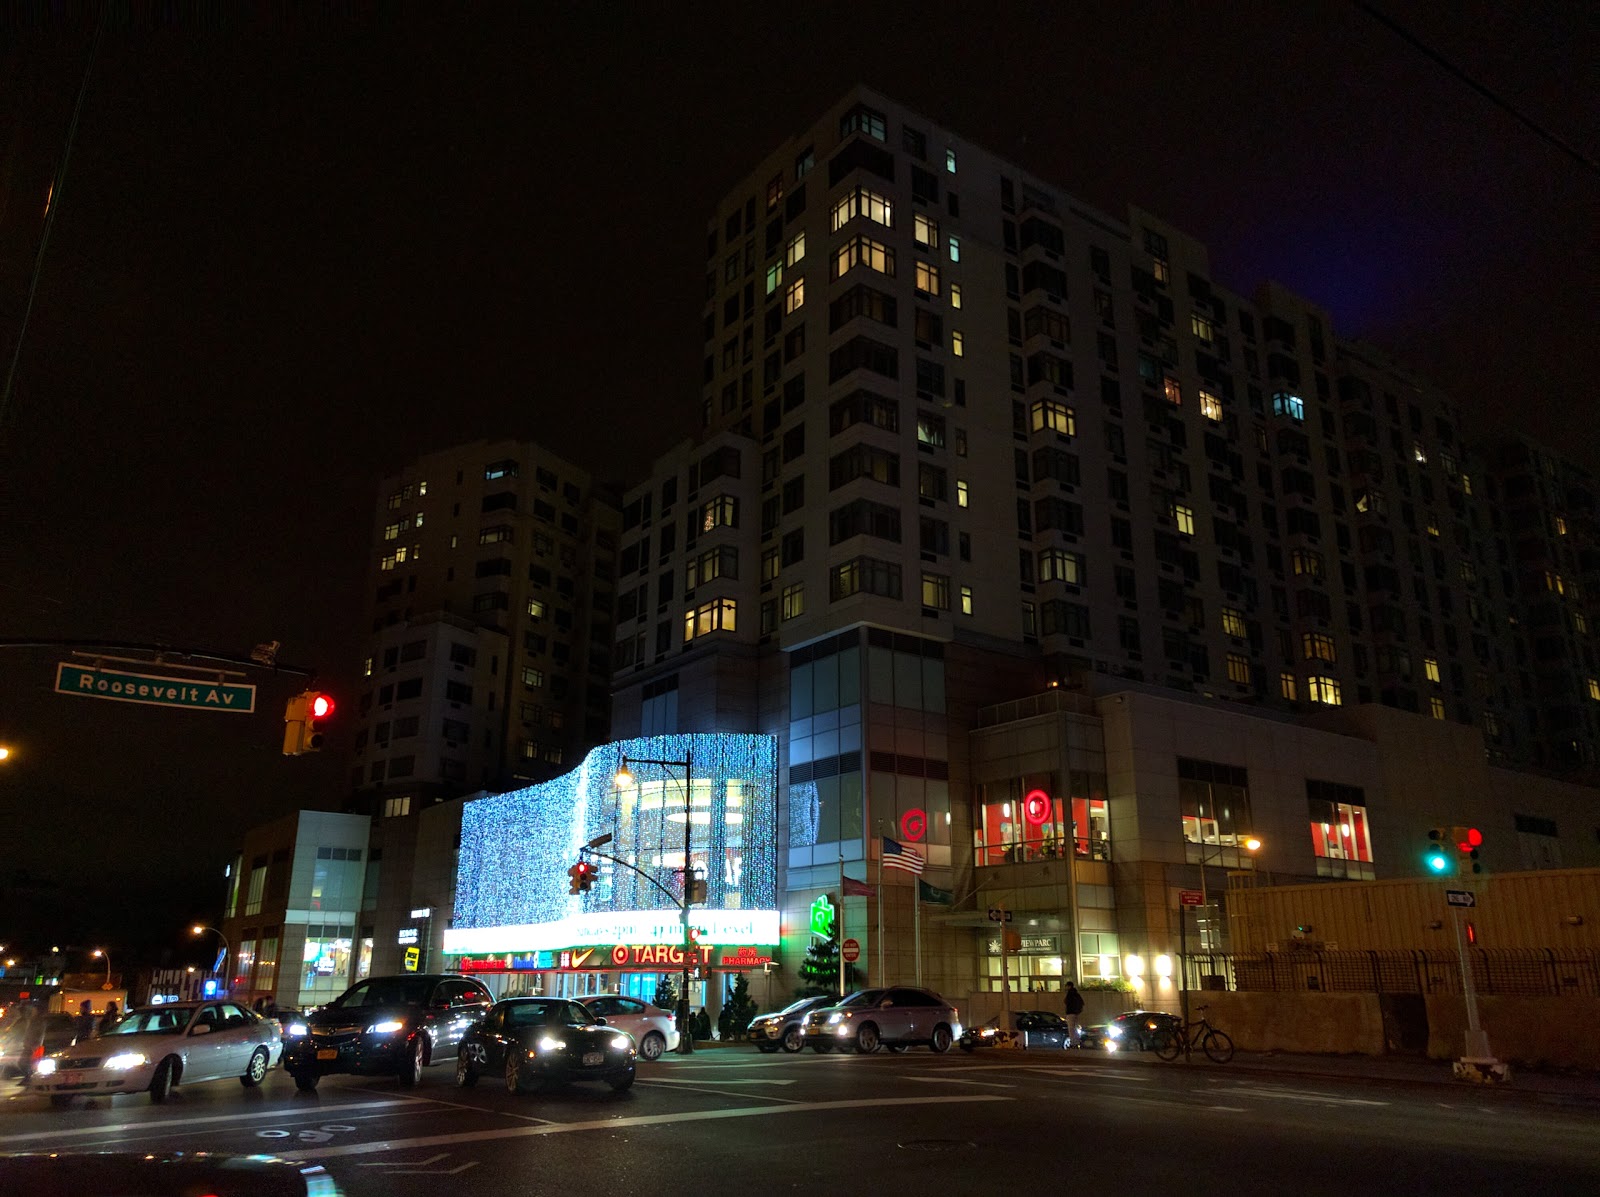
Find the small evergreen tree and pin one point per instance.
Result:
(666, 993)
(819, 971)
(737, 1011)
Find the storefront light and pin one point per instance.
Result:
(1163, 966)
(1135, 966)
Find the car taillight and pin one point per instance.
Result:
(38, 1052)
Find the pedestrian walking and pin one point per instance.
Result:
(1074, 1009)
(83, 1025)
(109, 1018)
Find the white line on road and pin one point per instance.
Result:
(432, 1159)
(664, 1080)
(165, 1125)
(605, 1124)
(1326, 1099)
(1229, 1109)
(692, 1087)
(957, 1080)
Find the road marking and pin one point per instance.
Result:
(663, 1080)
(1326, 1099)
(165, 1125)
(606, 1124)
(461, 1105)
(691, 1087)
(957, 1080)
(432, 1159)
(1229, 1109)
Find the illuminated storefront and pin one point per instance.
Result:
(518, 925)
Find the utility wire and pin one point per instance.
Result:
(1504, 105)
(52, 205)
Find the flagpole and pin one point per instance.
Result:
(916, 923)
(838, 934)
(883, 973)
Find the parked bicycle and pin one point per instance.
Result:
(1200, 1034)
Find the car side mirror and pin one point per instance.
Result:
(885, 1004)
(203, 1029)
(600, 1018)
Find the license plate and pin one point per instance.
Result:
(68, 1078)
(593, 1059)
(328, 1053)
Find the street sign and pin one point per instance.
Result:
(850, 950)
(1460, 897)
(1191, 897)
(153, 691)
(996, 915)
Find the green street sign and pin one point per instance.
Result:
(150, 690)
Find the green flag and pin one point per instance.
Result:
(933, 894)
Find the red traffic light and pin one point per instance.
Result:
(1473, 839)
(319, 706)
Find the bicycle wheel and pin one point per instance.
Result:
(1217, 1046)
(1167, 1045)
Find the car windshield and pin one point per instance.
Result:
(807, 1003)
(384, 991)
(169, 1019)
(866, 997)
(542, 1014)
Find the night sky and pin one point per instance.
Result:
(290, 257)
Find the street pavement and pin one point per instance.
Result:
(893, 1124)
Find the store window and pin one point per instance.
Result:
(244, 962)
(1340, 837)
(267, 965)
(1215, 803)
(325, 967)
(1025, 819)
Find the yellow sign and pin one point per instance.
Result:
(413, 955)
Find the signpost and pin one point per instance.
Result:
(1460, 897)
(1186, 899)
(153, 690)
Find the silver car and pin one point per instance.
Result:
(153, 1048)
(895, 1018)
(655, 1030)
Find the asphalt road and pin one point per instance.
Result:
(890, 1124)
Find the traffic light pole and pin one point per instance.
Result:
(1478, 1063)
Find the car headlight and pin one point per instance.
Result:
(1113, 1032)
(295, 1029)
(44, 1067)
(385, 1028)
(836, 1017)
(123, 1061)
(622, 1042)
(550, 1044)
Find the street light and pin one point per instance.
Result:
(624, 781)
(102, 954)
(201, 929)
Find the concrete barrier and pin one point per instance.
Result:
(1547, 1032)
(1296, 1022)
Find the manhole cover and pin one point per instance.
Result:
(936, 1144)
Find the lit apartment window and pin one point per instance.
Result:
(1055, 416)
(1233, 622)
(950, 161)
(955, 295)
(387, 564)
(1307, 562)
(936, 591)
(1372, 502)
(1419, 453)
(1433, 530)
(966, 600)
(862, 119)
(795, 297)
(957, 344)
(1561, 525)
(927, 278)
(1058, 565)
(864, 203)
(1286, 404)
(955, 249)
(794, 600)
(532, 678)
(1593, 686)
(366, 667)
(924, 231)
(1286, 685)
(1323, 690)
(796, 249)
(535, 609)
(1430, 667)
(717, 616)
(391, 532)
(961, 493)
(1210, 406)
(863, 251)
(1436, 707)
(1201, 327)
(1238, 669)
(1580, 623)
(1184, 518)
(1318, 646)
(1173, 391)
(721, 512)
(499, 535)
(1466, 484)
(774, 277)
(1552, 581)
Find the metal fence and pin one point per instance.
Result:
(1529, 972)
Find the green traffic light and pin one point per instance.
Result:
(1437, 861)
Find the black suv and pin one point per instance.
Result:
(384, 1025)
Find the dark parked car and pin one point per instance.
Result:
(1134, 1031)
(24, 1043)
(786, 1028)
(385, 1025)
(1033, 1028)
(894, 1018)
(534, 1042)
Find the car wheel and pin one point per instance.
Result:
(255, 1072)
(941, 1038)
(306, 1082)
(653, 1045)
(793, 1040)
(161, 1083)
(621, 1083)
(466, 1074)
(61, 1100)
(515, 1085)
(411, 1070)
(867, 1039)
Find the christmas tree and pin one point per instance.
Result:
(819, 971)
(737, 1011)
(666, 993)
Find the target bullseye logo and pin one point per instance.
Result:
(1036, 807)
(914, 825)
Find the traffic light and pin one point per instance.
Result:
(583, 875)
(1467, 841)
(697, 891)
(575, 874)
(294, 725)
(1436, 857)
(302, 722)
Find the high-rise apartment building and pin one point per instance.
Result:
(491, 624)
(966, 441)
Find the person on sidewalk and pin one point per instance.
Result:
(1074, 1009)
(83, 1025)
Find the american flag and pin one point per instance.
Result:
(898, 856)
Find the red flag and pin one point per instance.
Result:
(856, 889)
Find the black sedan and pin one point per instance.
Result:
(1134, 1031)
(535, 1042)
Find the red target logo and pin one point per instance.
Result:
(914, 825)
(1037, 807)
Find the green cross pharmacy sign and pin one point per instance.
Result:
(150, 690)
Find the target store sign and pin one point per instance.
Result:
(914, 826)
(1037, 807)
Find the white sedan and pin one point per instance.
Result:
(655, 1030)
(153, 1048)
